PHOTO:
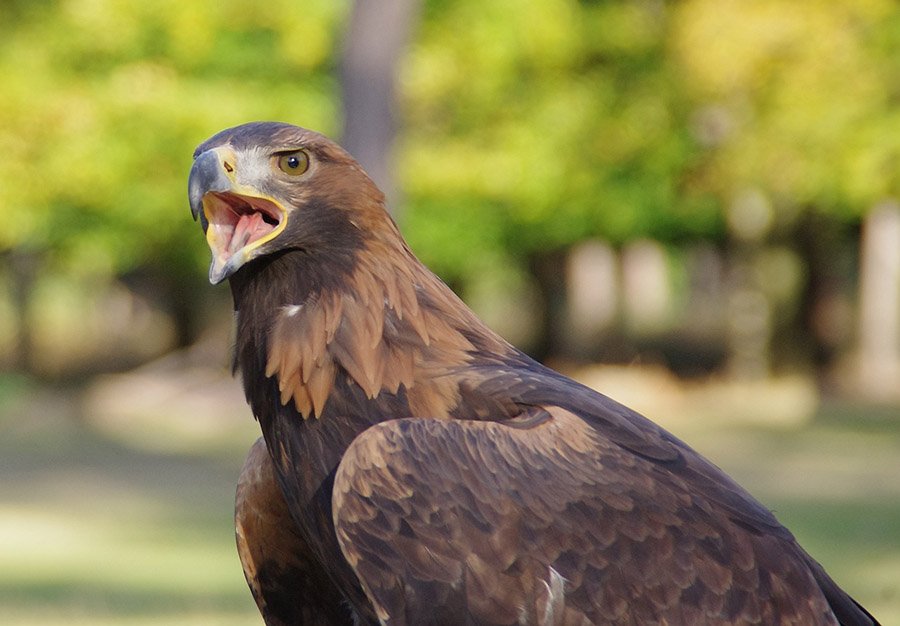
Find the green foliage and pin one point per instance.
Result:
(564, 120)
(559, 120)
(527, 124)
(103, 103)
(799, 100)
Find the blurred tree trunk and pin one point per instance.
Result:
(375, 38)
(548, 269)
(823, 329)
(175, 293)
(593, 291)
(24, 267)
(749, 311)
(879, 303)
(749, 317)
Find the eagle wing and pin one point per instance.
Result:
(547, 519)
(287, 582)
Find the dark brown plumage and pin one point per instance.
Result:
(421, 470)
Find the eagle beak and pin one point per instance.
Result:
(236, 217)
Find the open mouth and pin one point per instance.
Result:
(236, 221)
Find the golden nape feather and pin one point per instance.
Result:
(417, 469)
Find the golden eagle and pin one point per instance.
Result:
(418, 469)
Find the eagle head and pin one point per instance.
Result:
(267, 187)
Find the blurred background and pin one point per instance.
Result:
(693, 206)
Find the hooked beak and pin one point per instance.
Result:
(237, 218)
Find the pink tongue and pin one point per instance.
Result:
(248, 228)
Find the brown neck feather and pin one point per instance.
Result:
(387, 323)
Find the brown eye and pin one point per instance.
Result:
(293, 163)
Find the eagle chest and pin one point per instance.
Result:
(305, 455)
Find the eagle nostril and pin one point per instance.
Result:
(228, 166)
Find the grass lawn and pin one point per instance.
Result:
(94, 530)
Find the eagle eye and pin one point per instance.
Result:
(293, 163)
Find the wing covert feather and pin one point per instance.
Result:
(550, 524)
